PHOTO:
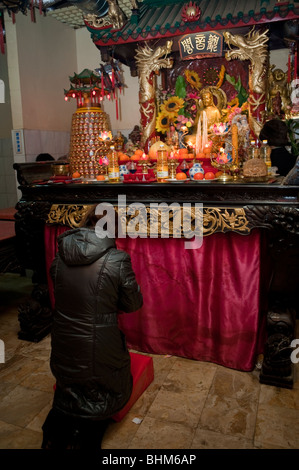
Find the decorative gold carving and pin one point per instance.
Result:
(150, 61)
(116, 15)
(96, 21)
(278, 83)
(252, 47)
(225, 220)
(67, 214)
(147, 220)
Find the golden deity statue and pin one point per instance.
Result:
(208, 114)
(211, 110)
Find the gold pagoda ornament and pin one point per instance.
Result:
(89, 122)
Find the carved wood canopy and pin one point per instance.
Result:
(159, 20)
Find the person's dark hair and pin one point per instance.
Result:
(90, 219)
(275, 132)
(44, 157)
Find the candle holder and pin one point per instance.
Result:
(181, 134)
(144, 165)
(172, 166)
(224, 157)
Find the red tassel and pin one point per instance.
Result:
(2, 39)
(32, 11)
(13, 16)
(41, 7)
(102, 84)
(113, 78)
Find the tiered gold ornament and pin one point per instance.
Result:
(86, 147)
(89, 122)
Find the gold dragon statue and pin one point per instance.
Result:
(253, 47)
(149, 62)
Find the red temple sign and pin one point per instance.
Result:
(199, 45)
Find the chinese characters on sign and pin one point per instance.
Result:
(199, 45)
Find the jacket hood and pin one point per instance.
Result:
(82, 246)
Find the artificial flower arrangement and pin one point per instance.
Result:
(179, 109)
(179, 106)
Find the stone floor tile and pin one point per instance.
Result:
(183, 408)
(14, 437)
(231, 405)
(277, 426)
(18, 368)
(38, 421)
(277, 396)
(192, 375)
(155, 434)
(204, 439)
(41, 379)
(22, 404)
(119, 435)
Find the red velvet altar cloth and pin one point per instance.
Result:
(206, 304)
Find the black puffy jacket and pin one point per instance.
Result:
(89, 358)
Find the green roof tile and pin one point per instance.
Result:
(160, 17)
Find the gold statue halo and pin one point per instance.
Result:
(219, 94)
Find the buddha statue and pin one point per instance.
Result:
(208, 114)
(211, 110)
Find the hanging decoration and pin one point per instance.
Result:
(13, 7)
(111, 81)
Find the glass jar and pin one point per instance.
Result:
(162, 166)
(113, 166)
(265, 152)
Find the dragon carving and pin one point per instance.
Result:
(149, 62)
(252, 47)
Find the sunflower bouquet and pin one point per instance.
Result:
(178, 109)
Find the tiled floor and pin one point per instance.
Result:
(190, 404)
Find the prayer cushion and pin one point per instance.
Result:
(142, 370)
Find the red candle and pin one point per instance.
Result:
(295, 66)
(289, 68)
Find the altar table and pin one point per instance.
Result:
(207, 304)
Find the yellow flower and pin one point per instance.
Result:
(193, 78)
(172, 106)
(162, 122)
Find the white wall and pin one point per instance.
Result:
(46, 54)
(279, 58)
